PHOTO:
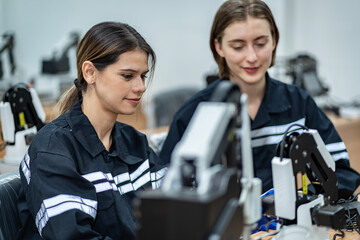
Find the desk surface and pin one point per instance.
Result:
(348, 235)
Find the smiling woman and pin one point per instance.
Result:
(81, 172)
(243, 40)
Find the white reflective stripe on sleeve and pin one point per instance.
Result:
(126, 188)
(59, 204)
(104, 186)
(159, 174)
(25, 167)
(109, 176)
(339, 156)
(335, 147)
(122, 178)
(140, 170)
(94, 176)
(266, 141)
(275, 130)
(271, 139)
(157, 184)
(142, 181)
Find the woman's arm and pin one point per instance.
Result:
(348, 178)
(62, 203)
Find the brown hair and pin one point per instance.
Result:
(238, 10)
(102, 45)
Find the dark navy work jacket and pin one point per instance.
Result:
(73, 188)
(282, 105)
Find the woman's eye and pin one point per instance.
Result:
(143, 77)
(127, 76)
(260, 43)
(238, 47)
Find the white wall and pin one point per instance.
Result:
(330, 31)
(179, 31)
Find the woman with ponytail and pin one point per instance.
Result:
(83, 169)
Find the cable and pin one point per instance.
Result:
(339, 235)
(268, 224)
(351, 220)
(282, 145)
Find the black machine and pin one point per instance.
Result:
(60, 63)
(8, 44)
(303, 70)
(22, 116)
(303, 213)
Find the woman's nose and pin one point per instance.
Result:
(251, 55)
(139, 85)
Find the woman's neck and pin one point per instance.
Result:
(103, 122)
(255, 93)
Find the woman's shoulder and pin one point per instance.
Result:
(50, 132)
(291, 89)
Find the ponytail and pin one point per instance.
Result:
(67, 100)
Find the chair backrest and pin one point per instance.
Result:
(9, 191)
(164, 105)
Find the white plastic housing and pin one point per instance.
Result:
(284, 188)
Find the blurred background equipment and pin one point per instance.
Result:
(22, 116)
(7, 44)
(59, 70)
(59, 62)
(303, 70)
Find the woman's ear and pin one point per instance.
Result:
(274, 43)
(218, 48)
(89, 71)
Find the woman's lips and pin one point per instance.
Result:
(134, 100)
(251, 69)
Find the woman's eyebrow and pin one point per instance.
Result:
(241, 41)
(132, 70)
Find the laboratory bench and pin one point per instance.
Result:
(349, 130)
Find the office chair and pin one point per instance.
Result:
(164, 105)
(161, 110)
(9, 219)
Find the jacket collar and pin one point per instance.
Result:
(83, 131)
(86, 135)
(274, 101)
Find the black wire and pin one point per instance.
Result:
(268, 224)
(338, 234)
(351, 221)
(282, 145)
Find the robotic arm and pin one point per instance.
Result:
(306, 215)
(22, 116)
(60, 63)
(205, 195)
(8, 44)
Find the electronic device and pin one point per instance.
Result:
(305, 215)
(22, 115)
(8, 44)
(59, 63)
(209, 191)
(303, 70)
